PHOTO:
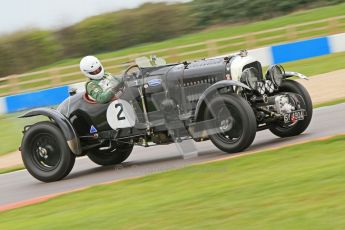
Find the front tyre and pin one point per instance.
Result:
(116, 155)
(235, 121)
(45, 152)
(300, 126)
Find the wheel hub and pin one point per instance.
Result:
(46, 152)
(226, 125)
(42, 152)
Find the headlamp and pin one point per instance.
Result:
(275, 74)
(250, 77)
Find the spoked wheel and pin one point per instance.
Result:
(298, 127)
(235, 123)
(115, 155)
(45, 152)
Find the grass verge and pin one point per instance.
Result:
(298, 187)
(11, 169)
(329, 103)
(12, 128)
(317, 65)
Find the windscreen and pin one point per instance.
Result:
(150, 62)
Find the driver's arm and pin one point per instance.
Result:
(97, 93)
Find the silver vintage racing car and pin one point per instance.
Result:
(225, 100)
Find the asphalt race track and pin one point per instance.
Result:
(20, 186)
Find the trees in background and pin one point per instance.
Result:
(222, 11)
(150, 22)
(26, 50)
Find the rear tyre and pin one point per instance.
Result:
(113, 156)
(236, 120)
(45, 152)
(300, 126)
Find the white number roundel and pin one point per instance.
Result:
(120, 114)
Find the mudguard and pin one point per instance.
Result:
(295, 74)
(215, 87)
(63, 123)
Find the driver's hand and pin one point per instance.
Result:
(111, 85)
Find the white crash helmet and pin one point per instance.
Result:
(92, 67)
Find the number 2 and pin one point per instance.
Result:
(120, 116)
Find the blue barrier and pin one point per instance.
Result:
(40, 98)
(300, 50)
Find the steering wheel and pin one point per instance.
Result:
(132, 76)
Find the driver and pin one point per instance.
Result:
(102, 87)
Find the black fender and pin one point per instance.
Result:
(294, 74)
(213, 88)
(63, 123)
